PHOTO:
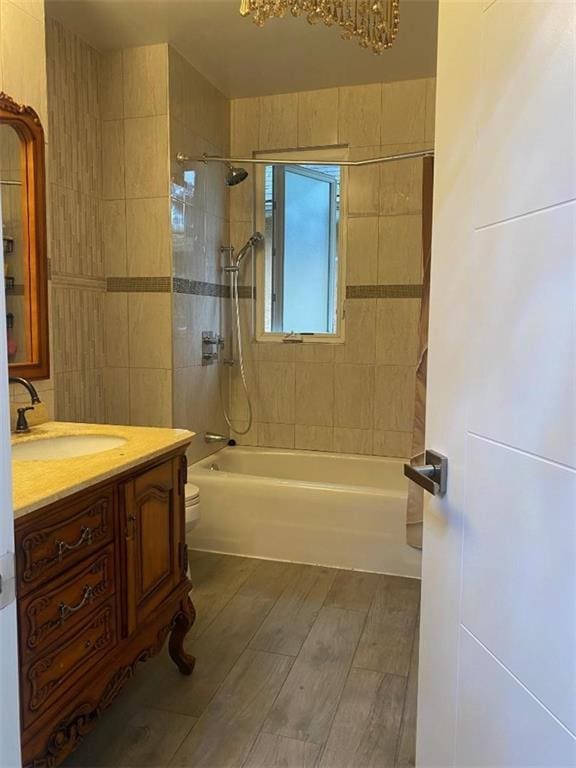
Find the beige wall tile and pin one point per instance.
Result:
(244, 126)
(116, 330)
(111, 86)
(149, 317)
(360, 115)
(309, 438)
(148, 237)
(275, 352)
(145, 80)
(250, 438)
(150, 397)
(360, 340)
(403, 110)
(352, 440)
(397, 331)
(318, 118)
(394, 398)
(314, 353)
(146, 156)
(116, 395)
(274, 396)
(242, 202)
(353, 396)
(401, 185)
(430, 110)
(278, 121)
(400, 249)
(315, 394)
(397, 444)
(113, 159)
(276, 435)
(114, 238)
(362, 251)
(364, 184)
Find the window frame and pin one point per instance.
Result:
(334, 154)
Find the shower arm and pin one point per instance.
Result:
(182, 159)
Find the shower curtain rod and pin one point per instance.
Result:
(182, 158)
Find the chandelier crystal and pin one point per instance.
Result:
(373, 23)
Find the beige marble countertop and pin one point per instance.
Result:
(36, 484)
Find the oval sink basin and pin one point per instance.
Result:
(65, 447)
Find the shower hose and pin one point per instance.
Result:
(237, 332)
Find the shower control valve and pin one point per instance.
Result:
(212, 343)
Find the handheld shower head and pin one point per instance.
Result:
(253, 240)
(235, 175)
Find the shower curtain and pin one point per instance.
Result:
(415, 503)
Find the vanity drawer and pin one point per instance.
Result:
(65, 537)
(44, 680)
(47, 615)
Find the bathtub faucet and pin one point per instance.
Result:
(211, 437)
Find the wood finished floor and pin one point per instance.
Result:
(297, 667)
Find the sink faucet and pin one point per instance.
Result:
(22, 423)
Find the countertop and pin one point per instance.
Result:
(36, 484)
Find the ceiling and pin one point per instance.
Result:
(243, 60)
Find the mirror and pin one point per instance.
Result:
(23, 200)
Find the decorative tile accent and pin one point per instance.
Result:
(383, 291)
(199, 288)
(138, 284)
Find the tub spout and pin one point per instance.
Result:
(211, 437)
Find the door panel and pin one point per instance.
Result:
(519, 570)
(523, 348)
(497, 547)
(528, 101)
(500, 722)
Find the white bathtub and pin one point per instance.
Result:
(305, 506)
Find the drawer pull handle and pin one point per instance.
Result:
(66, 610)
(85, 538)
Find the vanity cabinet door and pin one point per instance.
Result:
(154, 539)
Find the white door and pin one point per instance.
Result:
(9, 706)
(498, 647)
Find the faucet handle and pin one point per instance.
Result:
(22, 423)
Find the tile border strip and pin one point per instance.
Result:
(384, 291)
(189, 287)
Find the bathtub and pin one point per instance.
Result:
(329, 509)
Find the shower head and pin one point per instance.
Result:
(235, 175)
(253, 240)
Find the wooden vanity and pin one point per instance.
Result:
(101, 583)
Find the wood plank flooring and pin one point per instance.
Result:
(297, 666)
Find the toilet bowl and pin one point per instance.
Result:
(192, 493)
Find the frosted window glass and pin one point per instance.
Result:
(306, 254)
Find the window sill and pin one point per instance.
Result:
(314, 338)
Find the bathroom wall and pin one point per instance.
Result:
(23, 77)
(75, 224)
(136, 236)
(199, 122)
(357, 396)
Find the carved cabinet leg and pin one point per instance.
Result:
(181, 624)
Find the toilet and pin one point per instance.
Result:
(192, 494)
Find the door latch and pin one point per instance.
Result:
(431, 475)
(7, 580)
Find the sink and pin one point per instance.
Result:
(65, 447)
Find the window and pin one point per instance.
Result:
(301, 217)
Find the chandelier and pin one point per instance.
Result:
(373, 23)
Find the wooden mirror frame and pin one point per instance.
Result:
(25, 121)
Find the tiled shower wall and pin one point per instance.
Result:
(357, 396)
(75, 221)
(199, 122)
(136, 236)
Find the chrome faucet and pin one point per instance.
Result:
(210, 437)
(22, 423)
